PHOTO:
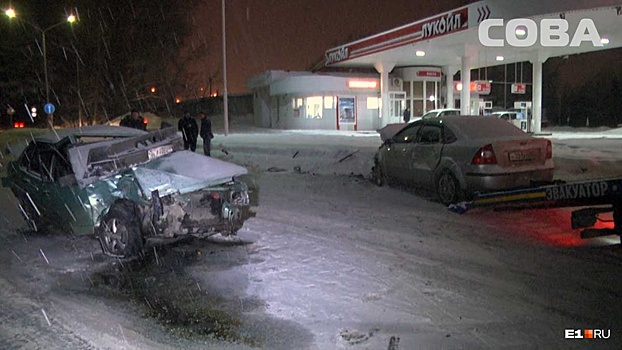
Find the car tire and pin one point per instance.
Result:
(378, 175)
(119, 231)
(448, 188)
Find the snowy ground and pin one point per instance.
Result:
(330, 262)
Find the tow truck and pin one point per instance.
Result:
(594, 196)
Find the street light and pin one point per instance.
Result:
(71, 18)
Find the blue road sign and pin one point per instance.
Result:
(49, 108)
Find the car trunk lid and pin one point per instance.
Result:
(521, 152)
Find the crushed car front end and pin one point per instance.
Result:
(220, 209)
(192, 194)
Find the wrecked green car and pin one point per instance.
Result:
(125, 186)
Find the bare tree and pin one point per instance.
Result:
(107, 62)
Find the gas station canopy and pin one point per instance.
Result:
(522, 31)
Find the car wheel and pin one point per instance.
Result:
(119, 231)
(448, 188)
(378, 175)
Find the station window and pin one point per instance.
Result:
(297, 103)
(314, 107)
(329, 102)
(373, 103)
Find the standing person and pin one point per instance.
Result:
(134, 120)
(190, 131)
(407, 115)
(206, 133)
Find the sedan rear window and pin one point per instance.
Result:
(479, 128)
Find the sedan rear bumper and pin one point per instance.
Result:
(505, 181)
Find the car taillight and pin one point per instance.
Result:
(484, 155)
(145, 121)
(16, 125)
(21, 125)
(549, 149)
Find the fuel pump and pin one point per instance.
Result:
(524, 107)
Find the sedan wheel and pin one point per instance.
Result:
(379, 178)
(119, 232)
(448, 188)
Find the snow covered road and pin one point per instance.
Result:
(381, 262)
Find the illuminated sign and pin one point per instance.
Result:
(337, 55)
(362, 84)
(481, 87)
(444, 24)
(519, 88)
(428, 73)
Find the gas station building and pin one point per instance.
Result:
(416, 63)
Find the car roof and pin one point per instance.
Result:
(479, 127)
(88, 131)
(442, 110)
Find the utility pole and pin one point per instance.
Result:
(224, 72)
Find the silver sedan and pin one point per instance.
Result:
(459, 156)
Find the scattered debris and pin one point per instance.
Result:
(394, 343)
(298, 169)
(357, 176)
(371, 297)
(295, 154)
(275, 170)
(225, 151)
(348, 156)
(353, 337)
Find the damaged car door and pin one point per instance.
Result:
(425, 155)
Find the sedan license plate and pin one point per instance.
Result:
(159, 151)
(523, 156)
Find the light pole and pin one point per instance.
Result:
(224, 72)
(71, 18)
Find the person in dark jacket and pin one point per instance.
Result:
(190, 131)
(134, 120)
(406, 115)
(206, 134)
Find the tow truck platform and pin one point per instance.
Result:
(599, 196)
